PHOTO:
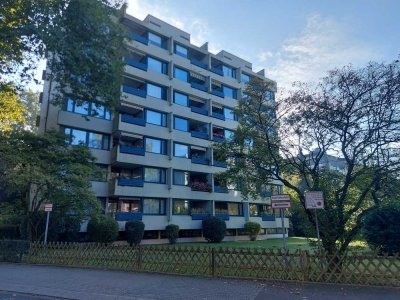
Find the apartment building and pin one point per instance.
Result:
(157, 151)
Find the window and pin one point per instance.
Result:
(244, 78)
(100, 173)
(228, 71)
(155, 39)
(154, 175)
(157, 65)
(235, 209)
(229, 92)
(229, 114)
(181, 150)
(82, 107)
(130, 205)
(153, 206)
(156, 91)
(156, 118)
(181, 99)
(228, 134)
(181, 124)
(156, 146)
(270, 95)
(88, 109)
(181, 178)
(95, 140)
(180, 50)
(181, 74)
(90, 139)
(77, 136)
(181, 207)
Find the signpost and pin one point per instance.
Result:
(315, 200)
(281, 201)
(48, 207)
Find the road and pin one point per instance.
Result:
(25, 282)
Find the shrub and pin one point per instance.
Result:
(252, 229)
(13, 250)
(172, 232)
(102, 229)
(214, 229)
(134, 232)
(381, 229)
(9, 232)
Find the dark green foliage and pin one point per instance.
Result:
(253, 229)
(214, 229)
(172, 232)
(9, 232)
(134, 232)
(13, 250)
(102, 229)
(381, 229)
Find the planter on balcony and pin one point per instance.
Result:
(140, 39)
(199, 63)
(217, 71)
(218, 93)
(199, 86)
(200, 216)
(223, 216)
(217, 138)
(268, 217)
(132, 150)
(136, 64)
(199, 110)
(128, 216)
(220, 189)
(200, 187)
(130, 182)
(132, 120)
(218, 116)
(200, 161)
(220, 164)
(200, 135)
(133, 91)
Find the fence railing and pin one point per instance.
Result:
(271, 264)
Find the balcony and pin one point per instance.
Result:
(220, 189)
(218, 116)
(128, 216)
(218, 93)
(220, 164)
(200, 160)
(200, 216)
(140, 39)
(222, 215)
(199, 86)
(138, 182)
(132, 150)
(200, 135)
(132, 120)
(199, 63)
(200, 186)
(199, 110)
(217, 71)
(137, 64)
(134, 91)
(218, 137)
(268, 218)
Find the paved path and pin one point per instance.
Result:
(73, 283)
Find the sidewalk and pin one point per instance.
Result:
(73, 283)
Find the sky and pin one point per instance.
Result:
(294, 40)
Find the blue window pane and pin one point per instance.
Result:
(181, 74)
(154, 175)
(155, 39)
(95, 140)
(70, 105)
(155, 146)
(181, 150)
(229, 92)
(156, 65)
(181, 124)
(229, 114)
(245, 78)
(78, 137)
(181, 99)
(156, 91)
(98, 111)
(228, 134)
(228, 71)
(180, 50)
(82, 107)
(156, 118)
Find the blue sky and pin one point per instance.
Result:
(293, 39)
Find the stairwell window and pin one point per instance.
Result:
(181, 74)
(181, 124)
(181, 51)
(155, 39)
(181, 99)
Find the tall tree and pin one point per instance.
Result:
(12, 111)
(353, 113)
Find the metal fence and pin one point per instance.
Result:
(271, 264)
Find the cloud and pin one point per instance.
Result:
(265, 56)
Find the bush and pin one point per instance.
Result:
(134, 232)
(252, 229)
(102, 229)
(381, 229)
(172, 232)
(9, 232)
(13, 250)
(214, 229)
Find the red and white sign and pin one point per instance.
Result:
(48, 207)
(280, 201)
(314, 200)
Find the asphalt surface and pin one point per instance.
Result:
(25, 282)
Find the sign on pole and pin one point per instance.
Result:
(48, 207)
(281, 201)
(314, 200)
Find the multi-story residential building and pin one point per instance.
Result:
(157, 151)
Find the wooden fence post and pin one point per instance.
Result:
(213, 261)
(305, 263)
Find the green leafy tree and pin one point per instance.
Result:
(12, 111)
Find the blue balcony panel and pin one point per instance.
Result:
(220, 164)
(199, 63)
(199, 110)
(266, 194)
(200, 135)
(136, 64)
(131, 182)
(218, 116)
(220, 189)
(132, 150)
(268, 217)
(132, 120)
(200, 161)
(217, 71)
(133, 91)
(198, 86)
(218, 93)
(140, 39)
(128, 216)
(218, 139)
(223, 216)
(200, 216)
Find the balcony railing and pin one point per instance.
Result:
(200, 160)
(133, 120)
(223, 216)
(138, 182)
(136, 64)
(268, 218)
(200, 135)
(140, 39)
(128, 216)
(217, 71)
(199, 110)
(199, 63)
(218, 93)
(134, 91)
(218, 138)
(199, 86)
(132, 150)
(200, 216)
(220, 189)
(220, 164)
(218, 116)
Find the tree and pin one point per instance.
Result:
(12, 111)
(353, 113)
(35, 169)
(30, 100)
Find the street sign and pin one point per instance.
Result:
(48, 207)
(280, 204)
(314, 200)
(280, 197)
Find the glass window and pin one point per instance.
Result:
(180, 50)
(78, 137)
(229, 92)
(156, 146)
(181, 99)
(95, 140)
(156, 118)
(228, 71)
(181, 178)
(181, 207)
(181, 124)
(154, 175)
(156, 65)
(156, 91)
(181, 74)
(154, 206)
(229, 114)
(235, 209)
(70, 105)
(244, 78)
(155, 39)
(181, 150)
(130, 206)
(228, 134)
(99, 111)
(81, 107)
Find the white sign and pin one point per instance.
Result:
(314, 200)
(48, 207)
(280, 204)
(281, 197)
